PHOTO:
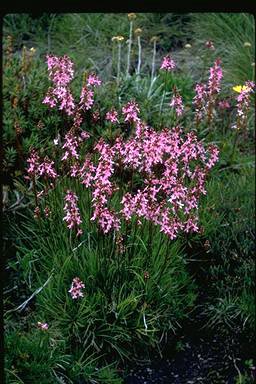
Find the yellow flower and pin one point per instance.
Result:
(154, 38)
(240, 88)
(138, 31)
(131, 16)
(247, 44)
(187, 46)
(117, 38)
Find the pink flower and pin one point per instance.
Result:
(131, 111)
(209, 44)
(206, 95)
(112, 116)
(46, 169)
(93, 80)
(96, 116)
(60, 69)
(47, 211)
(215, 78)
(87, 172)
(72, 211)
(224, 104)
(43, 326)
(177, 103)
(71, 144)
(170, 195)
(34, 161)
(168, 63)
(86, 99)
(200, 101)
(84, 135)
(243, 105)
(213, 156)
(191, 225)
(76, 288)
(78, 119)
(38, 167)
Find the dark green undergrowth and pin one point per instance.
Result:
(228, 219)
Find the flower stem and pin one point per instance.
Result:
(129, 50)
(139, 56)
(163, 97)
(118, 63)
(153, 62)
(34, 190)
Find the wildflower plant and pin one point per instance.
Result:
(121, 203)
(114, 198)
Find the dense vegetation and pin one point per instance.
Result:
(128, 189)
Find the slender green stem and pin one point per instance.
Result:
(153, 62)
(163, 97)
(139, 56)
(34, 190)
(129, 50)
(118, 63)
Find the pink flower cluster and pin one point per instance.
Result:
(61, 73)
(103, 189)
(209, 44)
(33, 161)
(46, 169)
(206, 94)
(87, 94)
(199, 101)
(38, 167)
(85, 172)
(130, 112)
(224, 104)
(168, 63)
(76, 288)
(93, 80)
(177, 103)
(215, 78)
(71, 144)
(60, 69)
(167, 198)
(112, 116)
(43, 326)
(243, 105)
(172, 168)
(72, 218)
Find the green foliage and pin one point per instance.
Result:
(131, 299)
(35, 356)
(248, 376)
(26, 121)
(228, 218)
(120, 306)
(229, 32)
